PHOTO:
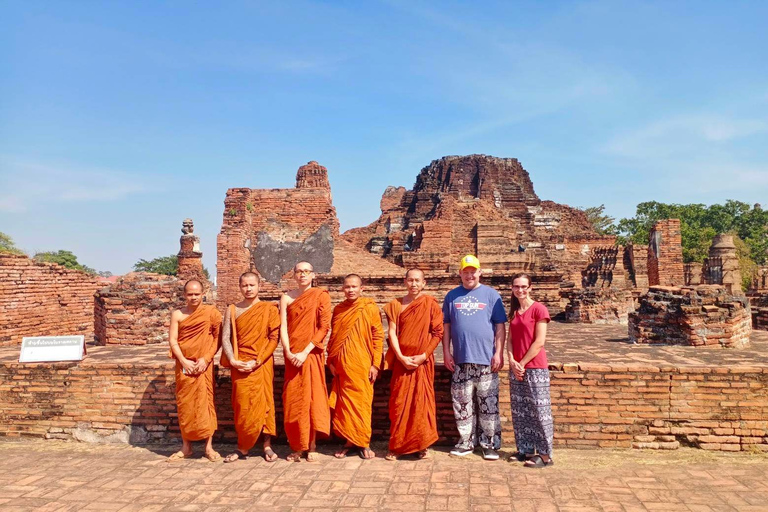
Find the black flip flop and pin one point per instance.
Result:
(538, 462)
(520, 457)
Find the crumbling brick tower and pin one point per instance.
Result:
(665, 254)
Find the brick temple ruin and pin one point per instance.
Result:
(474, 204)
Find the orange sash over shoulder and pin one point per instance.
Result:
(198, 338)
(257, 330)
(412, 411)
(305, 395)
(355, 345)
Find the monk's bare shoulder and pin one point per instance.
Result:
(177, 315)
(286, 299)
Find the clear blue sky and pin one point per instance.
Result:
(120, 119)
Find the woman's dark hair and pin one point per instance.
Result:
(516, 303)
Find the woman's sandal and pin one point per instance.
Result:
(537, 462)
(520, 457)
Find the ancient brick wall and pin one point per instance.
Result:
(274, 221)
(44, 299)
(665, 254)
(599, 306)
(636, 263)
(702, 315)
(136, 310)
(593, 405)
(722, 408)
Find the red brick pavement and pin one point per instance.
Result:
(52, 476)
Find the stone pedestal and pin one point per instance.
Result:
(696, 316)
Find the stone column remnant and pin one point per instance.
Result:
(190, 256)
(722, 265)
(665, 254)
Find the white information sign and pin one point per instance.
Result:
(52, 348)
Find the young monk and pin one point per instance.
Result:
(354, 358)
(415, 330)
(249, 337)
(194, 338)
(305, 315)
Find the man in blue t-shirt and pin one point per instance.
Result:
(473, 349)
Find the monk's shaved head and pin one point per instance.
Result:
(191, 283)
(354, 276)
(249, 274)
(414, 270)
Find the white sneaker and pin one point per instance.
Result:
(490, 454)
(460, 452)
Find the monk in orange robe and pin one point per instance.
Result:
(194, 340)
(305, 315)
(415, 330)
(354, 358)
(249, 337)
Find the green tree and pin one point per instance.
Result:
(603, 224)
(63, 258)
(7, 245)
(695, 233)
(167, 265)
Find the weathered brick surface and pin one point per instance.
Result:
(599, 305)
(665, 254)
(481, 205)
(136, 310)
(44, 299)
(702, 315)
(660, 407)
(594, 405)
(285, 215)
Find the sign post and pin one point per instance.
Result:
(43, 349)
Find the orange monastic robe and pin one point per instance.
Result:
(355, 345)
(412, 411)
(253, 400)
(198, 337)
(305, 396)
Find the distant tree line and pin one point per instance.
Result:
(699, 224)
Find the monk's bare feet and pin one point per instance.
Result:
(293, 457)
(213, 456)
(343, 451)
(236, 455)
(391, 456)
(180, 455)
(367, 453)
(424, 454)
(269, 454)
(312, 456)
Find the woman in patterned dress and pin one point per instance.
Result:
(529, 376)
